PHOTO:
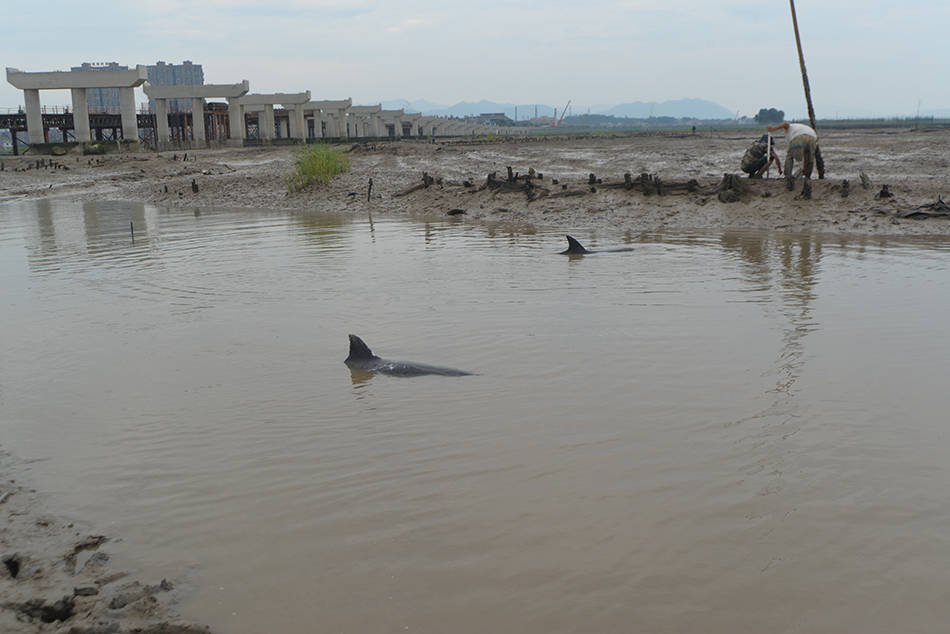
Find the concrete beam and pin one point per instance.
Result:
(282, 98)
(339, 104)
(361, 110)
(64, 80)
(206, 91)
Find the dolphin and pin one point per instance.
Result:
(362, 358)
(576, 248)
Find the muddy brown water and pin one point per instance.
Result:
(716, 433)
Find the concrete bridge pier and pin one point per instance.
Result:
(161, 122)
(197, 121)
(297, 124)
(236, 121)
(265, 123)
(34, 116)
(130, 128)
(333, 125)
(81, 115)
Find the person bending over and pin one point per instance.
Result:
(802, 146)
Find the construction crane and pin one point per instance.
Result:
(557, 123)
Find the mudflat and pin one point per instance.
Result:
(676, 182)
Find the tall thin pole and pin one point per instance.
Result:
(819, 162)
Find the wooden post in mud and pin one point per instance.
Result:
(819, 162)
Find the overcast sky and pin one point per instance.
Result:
(874, 57)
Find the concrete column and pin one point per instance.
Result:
(265, 123)
(80, 115)
(236, 121)
(161, 123)
(298, 125)
(34, 115)
(397, 128)
(130, 128)
(333, 125)
(198, 121)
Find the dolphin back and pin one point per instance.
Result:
(574, 247)
(359, 351)
(409, 368)
(362, 358)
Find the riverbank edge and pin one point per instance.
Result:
(606, 186)
(58, 576)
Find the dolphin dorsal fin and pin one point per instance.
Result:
(573, 246)
(359, 350)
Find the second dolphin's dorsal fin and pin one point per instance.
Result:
(359, 350)
(573, 246)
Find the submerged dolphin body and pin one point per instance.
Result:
(576, 248)
(362, 358)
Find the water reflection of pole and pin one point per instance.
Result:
(796, 285)
(799, 280)
(132, 231)
(369, 212)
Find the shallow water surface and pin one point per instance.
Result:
(716, 433)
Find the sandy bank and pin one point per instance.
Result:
(912, 164)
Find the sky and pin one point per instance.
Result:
(869, 58)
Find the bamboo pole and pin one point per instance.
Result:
(819, 162)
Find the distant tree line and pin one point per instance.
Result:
(770, 115)
(606, 120)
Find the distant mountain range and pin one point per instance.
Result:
(679, 108)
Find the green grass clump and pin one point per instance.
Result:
(317, 164)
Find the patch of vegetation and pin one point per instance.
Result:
(317, 164)
(770, 115)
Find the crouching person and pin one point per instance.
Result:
(759, 157)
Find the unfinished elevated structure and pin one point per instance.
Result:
(197, 94)
(392, 122)
(364, 121)
(327, 118)
(77, 82)
(409, 124)
(264, 103)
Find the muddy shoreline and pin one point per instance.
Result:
(911, 163)
(58, 576)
